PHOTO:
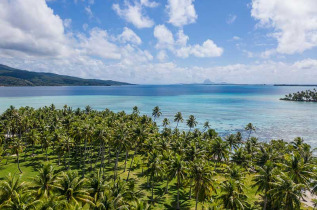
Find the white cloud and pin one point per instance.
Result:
(148, 3)
(161, 55)
(294, 23)
(144, 71)
(98, 44)
(231, 19)
(67, 23)
(133, 14)
(165, 40)
(181, 12)
(129, 36)
(89, 12)
(30, 28)
(207, 49)
(164, 37)
(236, 38)
(85, 26)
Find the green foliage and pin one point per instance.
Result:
(308, 95)
(15, 77)
(88, 159)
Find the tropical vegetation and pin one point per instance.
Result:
(88, 159)
(308, 95)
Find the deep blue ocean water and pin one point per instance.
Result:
(228, 108)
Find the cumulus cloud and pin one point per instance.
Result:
(133, 13)
(31, 28)
(181, 12)
(67, 23)
(161, 55)
(294, 23)
(144, 71)
(165, 40)
(98, 44)
(129, 36)
(148, 3)
(164, 37)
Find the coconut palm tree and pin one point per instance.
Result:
(231, 197)
(218, 149)
(156, 113)
(286, 194)
(178, 169)
(155, 169)
(44, 183)
(298, 171)
(191, 122)
(263, 180)
(166, 122)
(17, 147)
(206, 126)
(72, 189)
(249, 128)
(178, 118)
(11, 186)
(203, 181)
(21, 201)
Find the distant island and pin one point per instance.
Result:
(303, 85)
(308, 96)
(16, 77)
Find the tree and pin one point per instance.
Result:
(298, 171)
(218, 149)
(231, 197)
(72, 189)
(286, 194)
(166, 122)
(206, 126)
(21, 201)
(44, 183)
(203, 182)
(263, 180)
(178, 118)
(249, 128)
(10, 187)
(191, 122)
(156, 113)
(17, 147)
(178, 169)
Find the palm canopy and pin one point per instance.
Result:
(71, 188)
(44, 183)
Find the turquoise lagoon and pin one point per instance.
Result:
(228, 108)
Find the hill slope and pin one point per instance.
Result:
(16, 77)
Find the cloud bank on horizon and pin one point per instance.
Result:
(163, 42)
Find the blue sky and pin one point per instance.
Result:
(163, 42)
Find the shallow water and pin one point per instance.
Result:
(228, 108)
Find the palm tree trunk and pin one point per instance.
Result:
(196, 201)
(135, 150)
(190, 190)
(166, 190)
(125, 162)
(109, 154)
(178, 192)
(152, 198)
(265, 200)
(18, 163)
(68, 160)
(116, 165)
(59, 158)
